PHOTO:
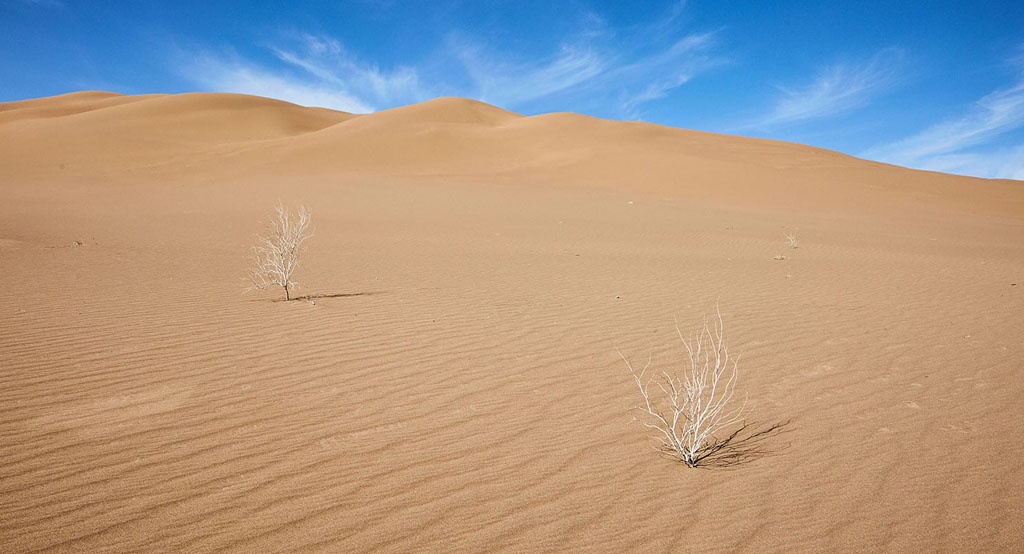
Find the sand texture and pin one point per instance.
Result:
(450, 381)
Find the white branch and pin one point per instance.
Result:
(793, 243)
(276, 254)
(698, 403)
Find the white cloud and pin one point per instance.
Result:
(674, 67)
(326, 60)
(947, 145)
(316, 71)
(508, 84)
(1001, 163)
(218, 75)
(612, 69)
(836, 89)
(992, 115)
(596, 64)
(321, 45)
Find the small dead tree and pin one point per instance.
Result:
(693, 417)
(276, 254)
(791, 238)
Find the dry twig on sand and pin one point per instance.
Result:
(694, 419)
(276, 255)
(791, 238)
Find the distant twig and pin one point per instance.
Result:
(791, 238)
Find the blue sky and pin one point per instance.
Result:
(933, 85)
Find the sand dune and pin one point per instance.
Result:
(212, 137)
(454, 383)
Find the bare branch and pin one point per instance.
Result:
(276, 254)
(791, 238)
(698, 408)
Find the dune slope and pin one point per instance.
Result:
(104, 138)
(449, 380)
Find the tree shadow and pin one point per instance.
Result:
(744, 445)
(309, 297)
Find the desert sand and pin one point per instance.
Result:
(450, 381)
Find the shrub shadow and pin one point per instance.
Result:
(744, 445)
(310, 297)
(335, 295)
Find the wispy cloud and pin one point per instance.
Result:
(311, 70)
(218, 74)
(836, 89)
(673, 67)
(620, 68)
(947, 145)
(511, 84)
(621, 72)
(1000, 163)
(325, 59)
(992, 115)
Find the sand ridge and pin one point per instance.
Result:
(202, 137)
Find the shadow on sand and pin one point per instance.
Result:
(309, 297)
(744, 445)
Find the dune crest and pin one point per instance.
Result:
(440, 136)
(93, 136)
